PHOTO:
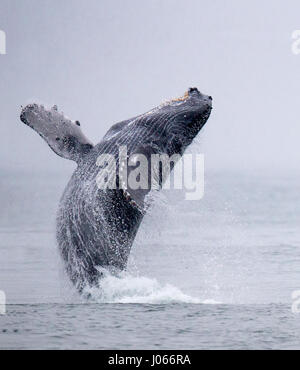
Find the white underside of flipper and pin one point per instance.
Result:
(63, 135)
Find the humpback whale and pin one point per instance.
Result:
(96, 226)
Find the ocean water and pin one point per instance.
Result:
(211, 274)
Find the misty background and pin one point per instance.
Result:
(105, 61)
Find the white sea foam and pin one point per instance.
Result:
(127, 288)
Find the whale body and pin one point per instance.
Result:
(96, 226)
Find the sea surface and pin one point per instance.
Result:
(217, 273)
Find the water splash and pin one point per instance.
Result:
(127, 288)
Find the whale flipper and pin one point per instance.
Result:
(63, 135)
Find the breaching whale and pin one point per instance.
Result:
(96, 226)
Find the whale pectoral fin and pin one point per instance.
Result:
(63, 136)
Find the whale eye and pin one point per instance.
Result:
(57, 139)
(77, 123)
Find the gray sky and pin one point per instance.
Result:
(104, 61)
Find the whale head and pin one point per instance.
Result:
(63, 135)
(180, 120)
(166, 131)
(169, 128)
